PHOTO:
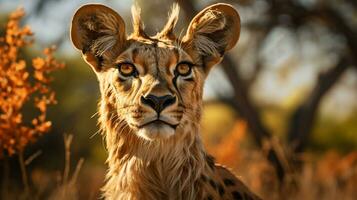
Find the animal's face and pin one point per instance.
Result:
(153, 84)
(157, 86)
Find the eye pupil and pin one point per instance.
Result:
(183, 69)
(126, 69)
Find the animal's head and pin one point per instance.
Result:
(154, 84)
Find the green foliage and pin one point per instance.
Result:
(339, 135)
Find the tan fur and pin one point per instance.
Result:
(165, 159)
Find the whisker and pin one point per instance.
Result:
(95, 114)
(96, 133)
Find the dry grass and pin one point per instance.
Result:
(46, 184)
(327, 176)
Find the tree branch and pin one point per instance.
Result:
(303, 117)
(300, 15)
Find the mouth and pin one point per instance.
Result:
(158, 122)
(156, 129)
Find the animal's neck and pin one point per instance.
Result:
(158, 168)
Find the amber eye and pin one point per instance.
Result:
(127, 69)
(184, 68)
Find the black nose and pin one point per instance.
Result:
(158, 103)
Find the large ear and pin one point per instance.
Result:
(212, 32)
(99, 32)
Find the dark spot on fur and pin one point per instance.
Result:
(204, 178)
(210, 161)
(237, 196)
(209, 197)
(221, 190)
(247, 197)
(213, 184)
(229, 182)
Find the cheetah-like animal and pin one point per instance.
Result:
(151, 102)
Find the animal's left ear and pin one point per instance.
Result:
(212, 32)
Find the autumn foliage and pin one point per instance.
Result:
(23, 85)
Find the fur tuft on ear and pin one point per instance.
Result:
(168, 30)
(212, 32)
(99, 32)
(138, 26)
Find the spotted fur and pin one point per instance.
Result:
(147, 158)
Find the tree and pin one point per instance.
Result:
(302, 118)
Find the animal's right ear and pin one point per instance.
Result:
(99, 32)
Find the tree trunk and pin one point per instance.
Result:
(303, 118)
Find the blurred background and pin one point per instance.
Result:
(280, 110)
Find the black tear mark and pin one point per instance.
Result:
(174, 82)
